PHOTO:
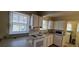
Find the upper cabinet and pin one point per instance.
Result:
(59, 25)
(36, 21)
(40, 21)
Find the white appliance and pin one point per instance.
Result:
(58, 37)
(38, 40)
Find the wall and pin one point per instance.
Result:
(4, 16)
(74, 19)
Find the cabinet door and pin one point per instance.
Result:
(35, 21)
(51, 39)
(45, 42)
(66, 38)
(40, 21)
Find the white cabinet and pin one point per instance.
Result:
(40, 21)
(50, 40)
(66, 38)
(45, 42)
(36, 21)
(59, 25)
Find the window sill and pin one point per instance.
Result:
(16, 35)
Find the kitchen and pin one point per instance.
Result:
(38, 29)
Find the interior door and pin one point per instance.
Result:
(77, 35)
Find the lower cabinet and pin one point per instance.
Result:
(50, 40)
(65, 40)
(45, 41)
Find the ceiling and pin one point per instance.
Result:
(56, 13)
(42, 13)
(52, 13)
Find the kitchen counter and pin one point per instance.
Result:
(21, 41)
(18, 42)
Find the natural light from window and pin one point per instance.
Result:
(19, 23)
(44, 25)
(78, 28)
(69, 26)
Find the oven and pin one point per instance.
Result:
(39, 42)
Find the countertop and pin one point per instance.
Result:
(19, 42)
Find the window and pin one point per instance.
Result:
(44, 25)
(69, 26)
(19, 23)
(78, 28)
(50, 24)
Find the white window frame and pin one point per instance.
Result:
(11, 23)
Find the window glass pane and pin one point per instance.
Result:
(25, 19)
(15, 27)
(21, 19)
(44, 24)
(22, 27)
(15, 17)
(50, 24)
(69, 26)
(78, 28)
